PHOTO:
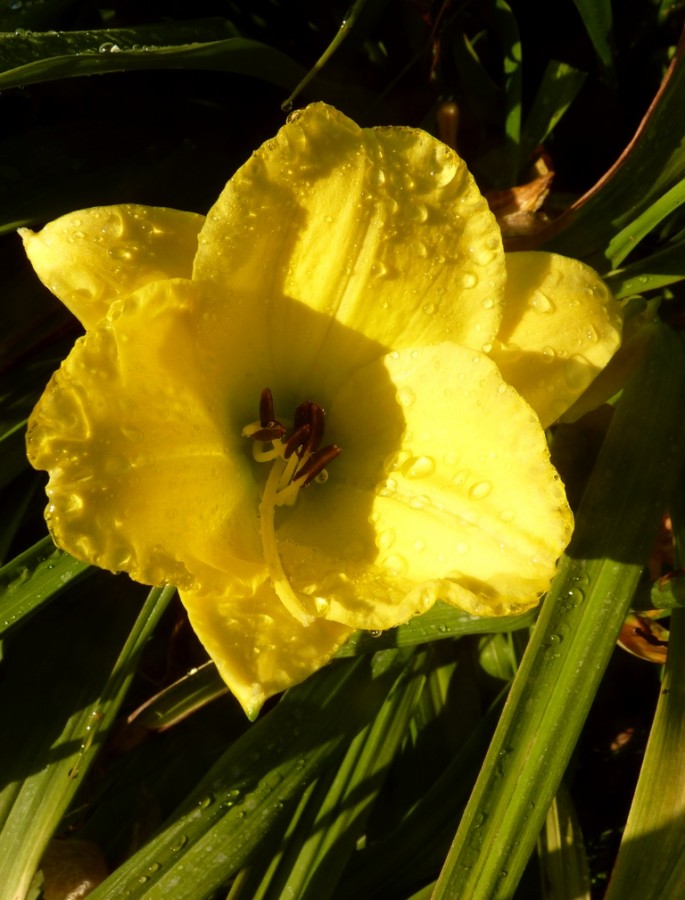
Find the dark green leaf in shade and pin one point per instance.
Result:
(597, 18)
(652, 165)
(236, 55)
(559, 87)
(62, 705)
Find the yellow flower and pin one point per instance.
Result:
(342, 269)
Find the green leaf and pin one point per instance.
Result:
(503, 23)
(565, 873)
(71, 54)
(659, 269)
(441, 621)
(33, 578)
(559, 87)
(597, 18)
(181, 699)
(651, 859)
(575, 634)
(629, 237)
(331, 819)
(245, 799)
(652, 164)
(60, 722)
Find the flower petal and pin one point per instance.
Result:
(146, 475)
(383, 229)
(90, 258)
(560, 328)
(468, 507)
(258, 647)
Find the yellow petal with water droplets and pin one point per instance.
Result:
(146, 474)
(258, 647)
(466, 507)
(383, 229)
(90, 258)
(560, 328)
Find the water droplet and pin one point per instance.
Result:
(387, 538)
(396, 564)
(541, 303)
(379, 269)
(429, 308)
(205, 802)
(470, 280)
(480, 490)
(418, 467)
(375, 634)
(591, 335)
(420, 249)
(549, 352)
(406, 396)
(481, 256)
(377, 177)
(386, 488)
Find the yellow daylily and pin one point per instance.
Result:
(356, 271)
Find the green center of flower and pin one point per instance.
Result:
(298, 459)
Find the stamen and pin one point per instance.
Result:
(297, 461)
(272, 432)
(297, 441)
(266, 408)
(316, 463)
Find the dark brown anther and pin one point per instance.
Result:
(273, 432)
(298, 440)
(316, 463)
(302, 415)
(266, 410)
(317, 424)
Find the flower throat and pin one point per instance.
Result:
(298, 460)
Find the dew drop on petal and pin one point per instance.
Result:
(405, 396)
(480, 490)
(470, 280)
(386, 539)
(541, 303)
(418, 467)
(396, 564)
